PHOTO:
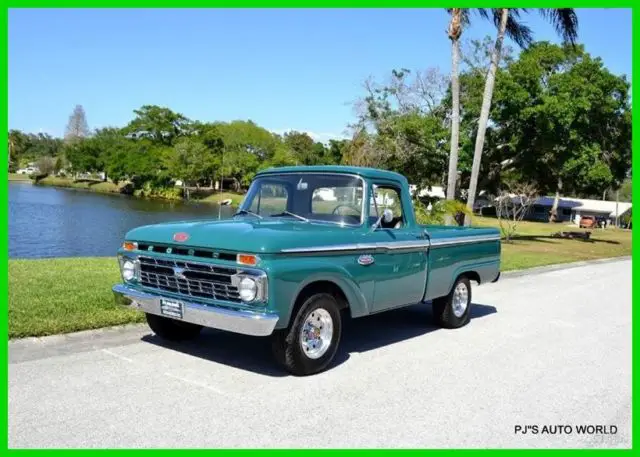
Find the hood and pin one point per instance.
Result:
(252, 236)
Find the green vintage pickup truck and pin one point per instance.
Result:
(309, 247)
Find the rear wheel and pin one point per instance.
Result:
(171, 329)
(454, 310)
(310, 342)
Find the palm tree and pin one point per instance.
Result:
(565, 22)
(459, 19)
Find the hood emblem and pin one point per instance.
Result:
(180, 236)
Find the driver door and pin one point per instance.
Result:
(399, 274)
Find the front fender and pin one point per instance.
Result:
(289, 277)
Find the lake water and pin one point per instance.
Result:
(52, 222)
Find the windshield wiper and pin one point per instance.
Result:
(246, 211)
(291, 214)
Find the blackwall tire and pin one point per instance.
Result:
(311, 341)
(454, 310)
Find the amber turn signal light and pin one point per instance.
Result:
(247, 259)
(129, 246)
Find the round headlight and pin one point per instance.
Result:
(128, 270)
(248, 289)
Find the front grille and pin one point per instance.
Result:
(196, 279)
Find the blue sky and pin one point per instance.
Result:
(284, 69)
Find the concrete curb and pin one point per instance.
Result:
(82, 335)
(560, 266)
(110, 333)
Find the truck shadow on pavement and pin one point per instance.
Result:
(358, 335)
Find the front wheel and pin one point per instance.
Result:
(310, 342)
(454, 309)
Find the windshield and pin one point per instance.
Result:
(334, 198)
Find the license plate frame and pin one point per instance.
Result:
(172, 308)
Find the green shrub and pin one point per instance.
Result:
(440, 209)
(166, 193)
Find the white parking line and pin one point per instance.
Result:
(196, 383)
(121, 357)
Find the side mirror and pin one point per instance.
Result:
(387, 216)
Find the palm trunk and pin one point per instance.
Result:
(553, 216)
(455, 112)
(484, 112)
(185, 189)
(452, 176)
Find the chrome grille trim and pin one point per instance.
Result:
(198, 280)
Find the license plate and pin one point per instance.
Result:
(171, 308)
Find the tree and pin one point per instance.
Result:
(513, 204)
(335, 151)
(158, 124)
(282, 157)
(362, 151)
(246, 146)
(31, 147)
(46, 165)
(85, 156)
(211, 135)
(566, 23)
(459, 19)
(77, 127)
(623, 193)
(302, 147)
(114, 152)
(475, 57)
(401, 126)
(18, 144)
(187, 160)
(569, 121)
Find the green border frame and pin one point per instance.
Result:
(4, 17)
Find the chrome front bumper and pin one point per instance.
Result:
(245, 322)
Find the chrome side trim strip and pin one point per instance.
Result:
(238, 321)
(393, 245)
(381, 246)
(442, 242)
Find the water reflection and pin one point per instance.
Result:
(50, 222)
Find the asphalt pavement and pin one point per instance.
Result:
(546, 349)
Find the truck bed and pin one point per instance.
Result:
(455, 250)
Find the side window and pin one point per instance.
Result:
(387, 197)
(272, 199)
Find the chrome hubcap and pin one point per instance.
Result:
(316, 334)
(460, 299)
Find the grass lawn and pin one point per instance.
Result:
(533, 245)
(49, 296)
(17, 177)
(217, 197)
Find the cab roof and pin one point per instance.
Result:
(365, 172)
